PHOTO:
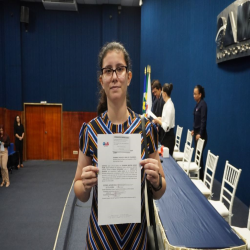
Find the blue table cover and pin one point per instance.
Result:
(188, 218)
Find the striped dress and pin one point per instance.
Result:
(119, 236)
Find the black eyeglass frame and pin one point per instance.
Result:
(114, 70)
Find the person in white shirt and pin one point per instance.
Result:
(167, 119)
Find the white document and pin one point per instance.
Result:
(2, 147)
(150, 113)
(119, 179)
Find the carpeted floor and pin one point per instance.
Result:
(31, 207)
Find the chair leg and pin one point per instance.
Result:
(229, 220)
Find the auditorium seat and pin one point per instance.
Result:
(12, 158)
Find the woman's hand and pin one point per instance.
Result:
(157, 120)
(197, 137)
(89, 177)
(152, 169)
(85, 178)
(192, 133)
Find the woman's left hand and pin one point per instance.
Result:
(156, 120)
(152, 170)
(197, 137)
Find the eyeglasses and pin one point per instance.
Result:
(120, 71)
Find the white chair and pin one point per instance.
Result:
(178, 138)
(244, 232)
(230, 178)
(194, 167)
(206, 185)
(188, 153)
(178, 156)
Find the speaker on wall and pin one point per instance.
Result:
(24, 17)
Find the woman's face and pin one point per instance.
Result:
(197, 95)
(115, 86)
(1, 131)
(18, 119)
(164, 94)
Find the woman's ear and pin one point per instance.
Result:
(100, 80)
(129, 77)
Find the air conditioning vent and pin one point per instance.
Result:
(68, 5)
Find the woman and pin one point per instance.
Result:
(115, 77)
(19, 134)
(200, 121)
(4, 144)
(167, 120)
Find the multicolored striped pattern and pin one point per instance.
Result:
(120, 236)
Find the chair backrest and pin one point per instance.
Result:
(230, 179)
(189, 138)
(178, 137)
(188, 153)
(11, 149)
(198, 151)
(211, 164)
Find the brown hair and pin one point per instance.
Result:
(167, 88)
(156, 84)
(102, 105)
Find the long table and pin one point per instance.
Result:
(187, 217)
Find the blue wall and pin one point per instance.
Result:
(11, 56)
(56, 60)
(178, 41)
(2, 86)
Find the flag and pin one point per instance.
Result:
(149, 94)
(144, 93)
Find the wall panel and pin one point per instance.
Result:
(72, 122)
(7, 118)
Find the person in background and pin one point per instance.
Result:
(153, 96)
(115, 77)
(159, 102)
(167, 119)
(19, 134)
(200, 121)
(4, 144)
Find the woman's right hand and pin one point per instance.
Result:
(85, 178)
(192, 132)
(89, 177)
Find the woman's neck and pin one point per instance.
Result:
(118, 112)
(166, 98)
